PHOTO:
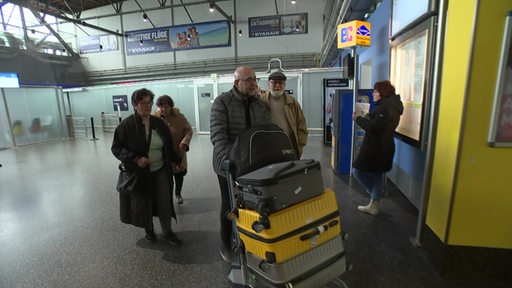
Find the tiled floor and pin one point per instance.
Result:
(59, 227)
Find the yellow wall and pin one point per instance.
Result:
(457, 51)
(471, 190)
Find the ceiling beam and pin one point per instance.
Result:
(175, 5)
(62, 17)
(55, 33)
(217, 8)
(330, 34)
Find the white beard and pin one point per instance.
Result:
(276, 93)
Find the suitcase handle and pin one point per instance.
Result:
(290, 165)
(284, 168)
(319, 230)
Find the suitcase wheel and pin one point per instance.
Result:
(238, 250)
(264, 266)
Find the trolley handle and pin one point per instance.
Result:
(226, 165)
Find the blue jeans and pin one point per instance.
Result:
(372, 182)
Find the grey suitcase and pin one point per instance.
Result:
(279, 185)
(300, 265)
(325, 275)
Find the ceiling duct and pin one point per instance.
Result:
(330, 47)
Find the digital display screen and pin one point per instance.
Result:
(9, 80)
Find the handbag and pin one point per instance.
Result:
(129, 181)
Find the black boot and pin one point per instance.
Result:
(179, 185)
(180, 199)
(150, 235)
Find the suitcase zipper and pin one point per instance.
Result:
(315, 225)
(273, 179)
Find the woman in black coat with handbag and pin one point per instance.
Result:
(376, 153)
(142, 143)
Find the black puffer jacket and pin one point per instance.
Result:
(378, 148)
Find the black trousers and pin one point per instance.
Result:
(178, 180)
(226, 226)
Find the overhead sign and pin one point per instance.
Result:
(354, 33)
(97, 44)
(277, 25)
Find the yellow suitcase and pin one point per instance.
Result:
(293, 230)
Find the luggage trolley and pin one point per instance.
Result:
(309, 269)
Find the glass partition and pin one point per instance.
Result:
(182, 93)
(205, 96)
(5, 128)
(92, 102)
(34, 114)
(194, 97)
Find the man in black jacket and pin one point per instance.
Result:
(233, 112)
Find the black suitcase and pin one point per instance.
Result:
(279, 185)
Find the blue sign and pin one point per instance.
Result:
(363, 31)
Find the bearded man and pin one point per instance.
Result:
(286, 112)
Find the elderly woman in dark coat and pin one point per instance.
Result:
(375, 156)
(143, 143)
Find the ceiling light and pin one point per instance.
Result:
(141, 42)
(293, 1)
(212, 7)
(145, 17)
(240, 32)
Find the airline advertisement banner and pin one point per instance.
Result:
(276, 25)
(179, 37)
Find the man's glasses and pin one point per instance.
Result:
(274, 82)
(250, 79)
(146, 102)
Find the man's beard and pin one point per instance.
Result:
(276, 93)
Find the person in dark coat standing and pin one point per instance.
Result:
(233, 112)
(376, 153)
(143, 142)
